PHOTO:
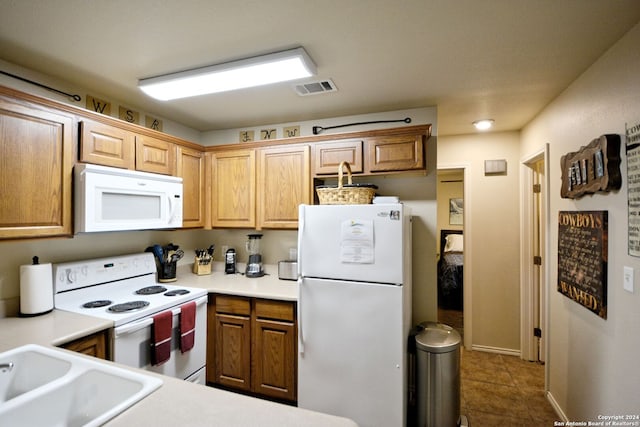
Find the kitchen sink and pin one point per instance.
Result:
(41, 386)
(27, 370)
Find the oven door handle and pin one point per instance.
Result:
(136, 326)
(133, 327)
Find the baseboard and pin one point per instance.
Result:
(498, 350)
(556, 407)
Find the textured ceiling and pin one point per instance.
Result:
(504, 59)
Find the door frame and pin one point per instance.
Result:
(467, 299)
(528, 343)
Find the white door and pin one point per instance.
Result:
(352, 351)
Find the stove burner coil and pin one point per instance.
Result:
(175, 292)
(128, 306)
(150, 290)
(96, 304)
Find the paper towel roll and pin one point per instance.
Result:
(36, 289)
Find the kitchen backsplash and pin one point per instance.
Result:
(275, 247)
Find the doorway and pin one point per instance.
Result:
(450, 240)
(534, 274)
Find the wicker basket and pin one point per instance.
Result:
(346, 195)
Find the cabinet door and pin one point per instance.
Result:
(233, 351)
(328, 155)
(94, 345)
(283, 184)
(36, 161)
(190, 167)
(274, 359)
(154, 155)
(395, 153)
(233, 189)
(106, 145)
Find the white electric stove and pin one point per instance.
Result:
(123, 289)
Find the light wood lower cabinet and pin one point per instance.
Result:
(93, 345)
(252, 346)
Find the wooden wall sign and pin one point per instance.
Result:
(582, 258)
(594, 168)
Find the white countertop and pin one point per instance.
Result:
(267, 286)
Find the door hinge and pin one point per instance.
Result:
(537, 188)
(537, 260)
(537, 332)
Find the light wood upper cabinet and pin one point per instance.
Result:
(232, 176)
(155, 155)
(106, 145)
(190, 167)
(36, 161)
(395, 153)
(327, 156)
(284, 182)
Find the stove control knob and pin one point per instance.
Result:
(71, 275)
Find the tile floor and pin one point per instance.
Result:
(500, 390)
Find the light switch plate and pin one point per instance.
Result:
(627, 281)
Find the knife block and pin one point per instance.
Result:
(201, 269)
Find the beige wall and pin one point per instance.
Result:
(492, 236)
(593, 363)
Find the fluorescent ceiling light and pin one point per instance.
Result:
(483, 124)
(260, 70)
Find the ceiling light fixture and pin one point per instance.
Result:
(483, 124)
(256, 71)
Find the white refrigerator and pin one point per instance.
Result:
(354, 311)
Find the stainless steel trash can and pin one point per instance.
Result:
(438, 375)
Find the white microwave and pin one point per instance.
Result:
(112, 199)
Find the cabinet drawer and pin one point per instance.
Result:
(233, 305)
(279, 310)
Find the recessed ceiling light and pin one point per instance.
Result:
(260, 70)
(483, 124)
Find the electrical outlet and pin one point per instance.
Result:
(627, 281)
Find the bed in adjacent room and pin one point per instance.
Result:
(450, 270)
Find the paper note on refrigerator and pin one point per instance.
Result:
(356, 242)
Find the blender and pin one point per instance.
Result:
(254, 265)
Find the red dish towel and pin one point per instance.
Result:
(187, 326)
(161, 342)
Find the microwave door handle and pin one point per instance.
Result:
(132, 327)
(172, 208)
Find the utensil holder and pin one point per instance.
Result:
(167, 272)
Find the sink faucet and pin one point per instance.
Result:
(6, 367)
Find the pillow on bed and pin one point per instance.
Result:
(453, 243)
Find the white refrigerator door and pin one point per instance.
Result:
(322, 241)
(352, 351)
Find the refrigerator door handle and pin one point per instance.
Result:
(300, 234)
(300, 328)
